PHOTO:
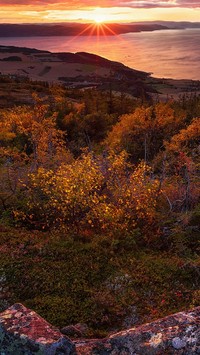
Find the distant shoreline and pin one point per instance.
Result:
(89, 29)
(165, 53)
(46, 30)
(87, 70)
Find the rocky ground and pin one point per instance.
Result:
(22, 331)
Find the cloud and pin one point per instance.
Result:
(160, 3)
(77, 4)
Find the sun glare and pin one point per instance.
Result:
(99, 19)
(98, 16)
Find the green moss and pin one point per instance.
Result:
(96, 282)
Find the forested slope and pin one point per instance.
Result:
(99, 205)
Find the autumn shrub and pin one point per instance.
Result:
(63, 196)
(142, 133)
(181, 186)
(29, 141)
(186, 139)
(95, 193)
(130, 196)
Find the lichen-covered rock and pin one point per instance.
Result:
(23, 332)
(175, 334)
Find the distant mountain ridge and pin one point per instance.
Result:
(172, 24)
(90, 29)
(32, 30)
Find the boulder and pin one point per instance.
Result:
(23, 332)
(176, 334)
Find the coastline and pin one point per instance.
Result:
(90, 29)
(167, 54)
(87, 70)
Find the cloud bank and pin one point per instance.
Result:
(76, 4)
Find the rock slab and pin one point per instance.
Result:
(23, 332)
(175, 334)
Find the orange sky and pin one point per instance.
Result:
(34, 11)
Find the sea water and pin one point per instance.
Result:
(165, 53)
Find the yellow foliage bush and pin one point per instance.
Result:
(103, 194)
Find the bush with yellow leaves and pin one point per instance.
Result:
(98, 193)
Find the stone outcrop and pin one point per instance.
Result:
(175, 334)
(22, 331)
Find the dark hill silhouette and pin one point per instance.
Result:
(32, 30)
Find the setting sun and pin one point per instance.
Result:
(99, 19)
(99, 16)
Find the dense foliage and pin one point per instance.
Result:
(100, 206)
